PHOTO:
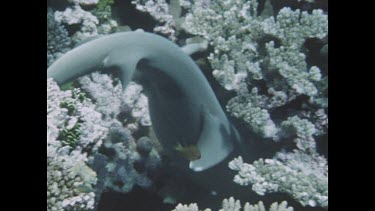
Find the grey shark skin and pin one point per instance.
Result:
(183, 106)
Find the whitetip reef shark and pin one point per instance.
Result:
(183, 106)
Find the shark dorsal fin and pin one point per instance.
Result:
(88, 39)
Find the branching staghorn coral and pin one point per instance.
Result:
(287, 170)
(70, 181)
(76, 15)
(75, 133)
(106, 95)
(67, 110)
(247, 107)
(235, 205)
(119, 171)
(293, 28)
(91, 23)
(118, 154)
(302, 176)
(302, 131)
(130, 167)
(111, 101)
(136, 102)
(241, 57)
(160, 11)
(303, 173)
(58, 40)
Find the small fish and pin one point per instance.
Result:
(84, 189)
(190, 152)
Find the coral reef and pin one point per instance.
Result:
(263, 59)
(269, 57)
(70, 179)
(252, 50)
(58, 40)
(235, 205)
(302, 176)
(76, 15)
(303, 173)
(91, 23)
(242, 57)
(68, 111)
(112, 102)
(79, 139)
(119, 155)
(160, 11)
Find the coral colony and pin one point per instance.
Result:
(232, 88)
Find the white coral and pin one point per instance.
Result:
(111, 100)
(190, 207)
(69, 180)
(247, 107)
(232, 204)
(138, 102)
(302, 176)
(76, 15)
(303, 130)
(283, 206)
(159, 10)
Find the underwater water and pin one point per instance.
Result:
(187, 105)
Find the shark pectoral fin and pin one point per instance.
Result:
(122, 64)
(214, 144)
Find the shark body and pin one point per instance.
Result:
(183, 106)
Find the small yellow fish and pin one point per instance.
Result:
(84, 189)
(190, 152)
